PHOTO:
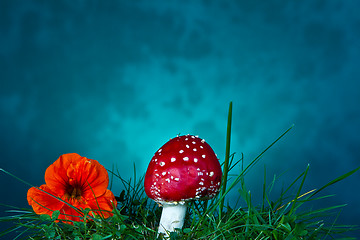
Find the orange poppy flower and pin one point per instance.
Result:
(78, 181)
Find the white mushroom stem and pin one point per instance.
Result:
(172, 217)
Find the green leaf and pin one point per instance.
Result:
(299, 229)
(55, 215)
(286, 226)
(45, 217)
(50, 234)
(96, 236)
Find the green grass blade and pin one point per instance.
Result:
(226, 161)
(299, 191)
(335, 181)
(252, 163)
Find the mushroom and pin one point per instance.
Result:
(183, 169)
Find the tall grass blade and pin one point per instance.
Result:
(336, 180)
(226, 161)
(299, 191)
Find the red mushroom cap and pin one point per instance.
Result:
(184, 168)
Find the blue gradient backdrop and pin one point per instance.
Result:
(114, 80)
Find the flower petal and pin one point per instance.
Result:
(56, 174)
(76, 171)
(104, 204)
(96, 182)
(68, 213)
(41, 202)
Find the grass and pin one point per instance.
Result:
(137, 217)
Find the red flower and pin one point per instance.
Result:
(78, 181)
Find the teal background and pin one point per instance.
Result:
(114, 80)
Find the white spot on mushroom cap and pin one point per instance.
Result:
(162, 164)
(187, 146)
(211, 174)
(163, 173)
(201, 147)
(173, 159)
(196, 160)
(160, 150)
(203, 140)
(186, 159)
(193, 142)
(181, 151)
(203, 156)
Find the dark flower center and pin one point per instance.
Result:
(73, 192)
